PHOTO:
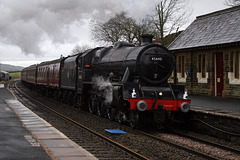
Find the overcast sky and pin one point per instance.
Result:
(32, 31)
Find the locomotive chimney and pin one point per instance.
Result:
(146, 39)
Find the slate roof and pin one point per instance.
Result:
(221, 27)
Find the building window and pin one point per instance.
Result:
(181, 69)
(203, 66)
(201, 63)
(234, 74)
(181, 62)
(236, 65)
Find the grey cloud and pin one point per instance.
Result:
(24, 23)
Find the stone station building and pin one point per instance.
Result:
(208, 54)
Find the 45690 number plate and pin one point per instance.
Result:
(156, 58)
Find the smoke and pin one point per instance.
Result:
(105, 87)
(27, 24)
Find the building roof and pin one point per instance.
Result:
(221, 27)
(3, 72)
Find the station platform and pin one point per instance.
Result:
(216, 105)
(24, 135)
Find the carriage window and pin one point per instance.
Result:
(53, 70)
(44, 71)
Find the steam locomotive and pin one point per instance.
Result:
(123, 82)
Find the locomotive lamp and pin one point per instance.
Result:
(160, 93)
(134, 94)
(185, 95)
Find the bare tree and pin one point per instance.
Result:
(80, 48)
(232, 3)
(168, 16)
(118, 28)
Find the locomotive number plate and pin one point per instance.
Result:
(155, 58)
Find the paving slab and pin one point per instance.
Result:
(49, 136)
(64, 143)
(65, 152)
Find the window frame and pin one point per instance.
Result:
(202, 74)
(181, 75)
(236, 66)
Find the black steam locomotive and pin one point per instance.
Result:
(122, 82)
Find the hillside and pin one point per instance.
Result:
(10, 68)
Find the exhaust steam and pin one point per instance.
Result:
(105, 87)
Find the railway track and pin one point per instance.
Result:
(205, 148)
(214, 144)
(188, 149)
(102, 153)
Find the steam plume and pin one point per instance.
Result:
(105, 87)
